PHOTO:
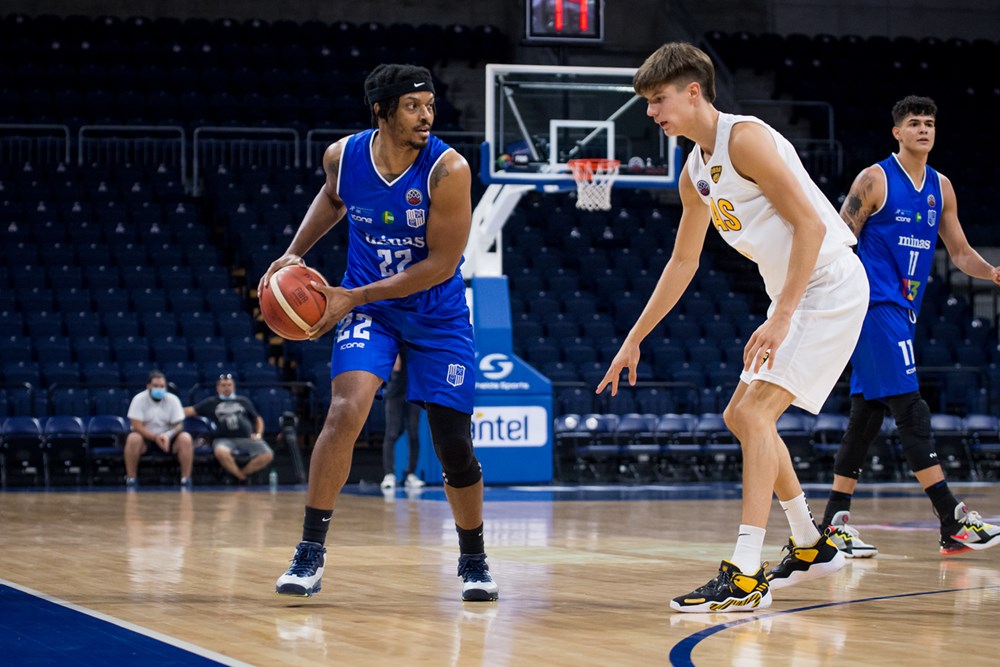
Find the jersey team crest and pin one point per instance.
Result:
(415, 217)
(456, 374)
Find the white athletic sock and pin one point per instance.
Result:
(748, 547)
(800, 520)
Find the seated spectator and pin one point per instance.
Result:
(238, 427)
(157, 418)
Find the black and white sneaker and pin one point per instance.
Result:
(477, 583)
(305, 575)
(805, 563)
(848, 539)
(731, 590)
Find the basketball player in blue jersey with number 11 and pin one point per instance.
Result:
(407, 199)
(897, 208)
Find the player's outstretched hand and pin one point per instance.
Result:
(627, 357)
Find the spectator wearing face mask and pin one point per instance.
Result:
(157, 418)
(239, 429)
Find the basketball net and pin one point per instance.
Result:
(594, 178)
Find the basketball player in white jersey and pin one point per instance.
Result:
(746, 180)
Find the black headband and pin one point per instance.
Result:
(414, 85)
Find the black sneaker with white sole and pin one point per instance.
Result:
(305, 575)
(477, 583)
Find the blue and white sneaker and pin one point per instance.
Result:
(477, 584)
(305, 575)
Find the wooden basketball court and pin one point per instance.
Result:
(181, 578)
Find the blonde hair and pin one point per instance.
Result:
(677, 63)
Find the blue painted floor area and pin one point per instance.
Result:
(84, 638)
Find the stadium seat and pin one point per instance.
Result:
(106, 441)
(66, 453)
(22, 446)
(951, 444)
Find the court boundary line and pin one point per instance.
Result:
(680, 654)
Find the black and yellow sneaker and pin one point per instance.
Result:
(973, 533)
(730, 591)
(805, 563)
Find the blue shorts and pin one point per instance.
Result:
(440, 353)
(883, 363)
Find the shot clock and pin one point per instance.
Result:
(564, 21)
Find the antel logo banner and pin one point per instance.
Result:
(510, 426)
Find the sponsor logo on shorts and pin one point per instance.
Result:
(456, 375)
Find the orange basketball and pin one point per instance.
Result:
(289, 305)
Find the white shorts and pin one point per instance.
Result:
(824, 330)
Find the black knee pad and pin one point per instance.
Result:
(451, 433)
(862, 429)
(913, 421)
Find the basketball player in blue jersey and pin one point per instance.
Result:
(897, 208)
(407, 201)
(746, 180)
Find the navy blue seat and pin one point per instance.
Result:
(22, 446)
(158, 323)
(130, 350)
(44, 324)
(60, 372)
(106, 433)
(69, 400)
(110, 400)
(598, 456)
(53, 349)
(66, 452)
(258, 372)
(272, 402)
(111, 300)
(194, 325)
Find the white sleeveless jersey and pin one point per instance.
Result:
(748, 221)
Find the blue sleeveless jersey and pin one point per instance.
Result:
(388, 233)
(388, 225)
(897, 250)
(897, 242)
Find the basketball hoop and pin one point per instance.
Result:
(594, 178)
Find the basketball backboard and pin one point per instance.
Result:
(538, 117)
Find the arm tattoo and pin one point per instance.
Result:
(855, 213)
(851, 209)
(440, 172)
